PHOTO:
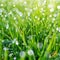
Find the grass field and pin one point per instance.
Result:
(29, 29)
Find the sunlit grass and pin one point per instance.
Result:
(29, 30)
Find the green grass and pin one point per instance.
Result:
(29, 30)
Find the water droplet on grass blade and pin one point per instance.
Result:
(14, 40)
(30, 52)
(20, 13)
(10, 13)
(7, 26)
(17, 43)
(22, 54)
(14, 5)
(25, 2)
(50, 15)
(1, 4)
(58, 7)
(10, 55)
(52, 10)
(39, 45)
(58, 29)
(5, 48)
(55, 15)
(14, 58)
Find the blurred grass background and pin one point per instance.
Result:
(29, 30)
